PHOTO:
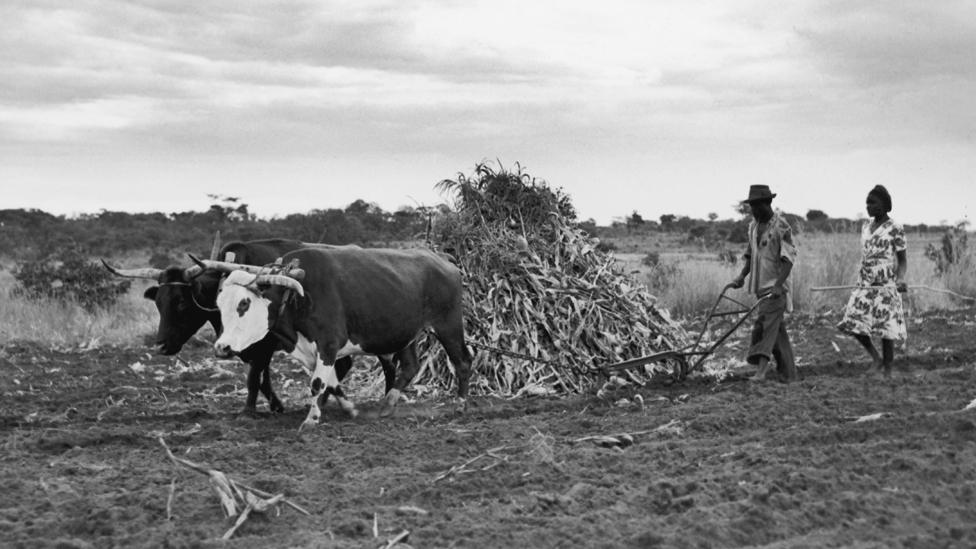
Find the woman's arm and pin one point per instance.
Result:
(901, 258)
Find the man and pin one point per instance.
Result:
(769, 260)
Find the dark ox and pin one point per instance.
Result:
(186, 300)
(350, 301)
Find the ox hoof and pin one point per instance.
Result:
(352, 413)
(390, 403)
(276, 407)
(460, 406)
(308, 424)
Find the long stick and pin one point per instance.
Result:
(916, 287)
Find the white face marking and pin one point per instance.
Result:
(243, 313)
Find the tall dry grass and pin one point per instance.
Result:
(689, 286)
(64, 324)
(695, 281)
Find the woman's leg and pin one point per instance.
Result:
(865, 341)
(888, 349)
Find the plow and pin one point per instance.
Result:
(691, 357)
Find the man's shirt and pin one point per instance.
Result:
(769, 244)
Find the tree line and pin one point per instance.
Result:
(33, 234)
(735, 230)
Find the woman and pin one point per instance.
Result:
(875, 307)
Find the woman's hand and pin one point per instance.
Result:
(902, 286)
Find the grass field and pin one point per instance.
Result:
(687, 280)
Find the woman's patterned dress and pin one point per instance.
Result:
(875, 307)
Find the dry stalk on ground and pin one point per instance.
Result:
(230, 492)
(626, 439)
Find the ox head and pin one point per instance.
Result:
(250, 305)
(184, 298)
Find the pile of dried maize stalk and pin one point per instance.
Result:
(536, 285)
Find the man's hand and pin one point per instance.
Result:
(737, 282)
(777, 291)
(901, 286)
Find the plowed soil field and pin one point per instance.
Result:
(839, 459)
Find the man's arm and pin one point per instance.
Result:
(740, 280)
(779, 287)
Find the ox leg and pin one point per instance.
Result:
(342, 367)
(452, 338)
(308, 353)
(324, 382)
(258, 359)
(409, 366)
(323, 376)
(389, 369)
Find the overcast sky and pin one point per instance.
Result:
(658, 106)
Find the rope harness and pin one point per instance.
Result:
(193, 296)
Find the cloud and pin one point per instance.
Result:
(893, 42)
(664, 90)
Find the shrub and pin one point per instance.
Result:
(953, 251)
(68, 275)
(652, 259)
(661, 276)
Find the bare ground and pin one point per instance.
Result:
(729, 464)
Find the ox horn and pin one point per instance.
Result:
(281, 280)
(147, 272)
(225, 266)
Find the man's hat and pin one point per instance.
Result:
(758, 193)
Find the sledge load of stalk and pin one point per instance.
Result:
(536, 285)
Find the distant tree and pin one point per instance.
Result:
(227, 209)
(698, 231)
(589, 226)
(814, 216)
(712, 217)
(634, 221)
(667, 220)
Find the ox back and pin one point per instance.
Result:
(377, 301)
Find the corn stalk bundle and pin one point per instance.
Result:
(538, 286)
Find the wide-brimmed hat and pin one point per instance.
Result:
(759, 193)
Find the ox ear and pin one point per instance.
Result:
(151, 293)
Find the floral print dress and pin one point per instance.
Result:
(875, 307)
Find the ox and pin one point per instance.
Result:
(351, 301)
(185, 299)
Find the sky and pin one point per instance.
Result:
(653, 106)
